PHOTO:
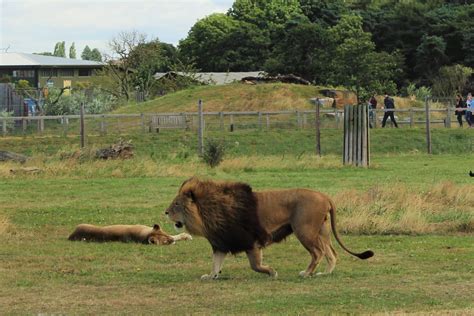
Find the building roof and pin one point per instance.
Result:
(24, 59)
(217, 78)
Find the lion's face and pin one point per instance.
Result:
(182, 204)
(159, 237)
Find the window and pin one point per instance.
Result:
(84, 72)
(49, 73)
(66, 72)
(23, 73)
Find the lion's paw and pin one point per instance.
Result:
(206, 277)
(305, 274)
(273, 274)
(188, 237)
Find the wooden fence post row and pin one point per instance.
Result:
(356, 135)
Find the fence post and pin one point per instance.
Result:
(448, 117)
(412, 117)
(231, 122)
(347, 150)
(318, 130)
(200, 129)
(356, 135)
(142, 122)
(82, 126)
(221, 120)
(23, 124)
(268, 121)
(103, 126)
(65, 123)
(4, 127)
(259, 121)
(336, 118)
(428, 130)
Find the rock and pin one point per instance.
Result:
(11, 156)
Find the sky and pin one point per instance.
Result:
(32, 26)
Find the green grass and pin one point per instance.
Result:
(416, 271)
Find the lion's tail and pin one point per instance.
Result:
(364, 255)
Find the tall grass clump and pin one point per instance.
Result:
(213, 152)
(443, 208)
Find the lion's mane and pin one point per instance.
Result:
(228, 212)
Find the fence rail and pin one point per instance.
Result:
(228, 120)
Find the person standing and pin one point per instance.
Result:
(389, 104)
(372, 107)
(460, 109)
(469, 109)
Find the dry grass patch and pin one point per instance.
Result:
(443, 208)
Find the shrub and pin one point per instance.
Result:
(213, 152)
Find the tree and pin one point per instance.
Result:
(119, 66)
(451, 80)
(355, 63)
(206, 43)
(146, 60)
(325, 12)
(95, 55)
(60, 49)
(304, 50)
(72, 51)
(86, 53)
(430, 56)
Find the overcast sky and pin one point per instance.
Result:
(31, 26)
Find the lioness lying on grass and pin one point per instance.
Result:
(126, 233)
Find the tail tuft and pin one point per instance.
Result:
(366, 255)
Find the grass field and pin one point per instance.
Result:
(415, 211)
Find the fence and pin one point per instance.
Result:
(101, 124)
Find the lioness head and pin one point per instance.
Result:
(184, 211)
(159, 237)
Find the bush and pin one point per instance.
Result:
(213, 152)
(57, 104)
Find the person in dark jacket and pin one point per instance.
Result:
(460, 109)
(389, 104)
(372, 107)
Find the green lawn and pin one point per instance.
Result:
(412, 271)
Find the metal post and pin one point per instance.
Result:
(82, 126)
(200, 129)
(428, 130)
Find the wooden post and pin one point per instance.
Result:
(298, 119)
(318, 129)
(23, 123)
(268, 121)
(103, 126)
(428, 129)
(4, 127)
(200, 129)
(305, 120)
(259, 121)
(221, 120)
(412, 117)
(231, 123)
(142, 122)
(82, 126)
(65, 122)
(336, 118)
(356, 135)
(347, 150)
(448, 116)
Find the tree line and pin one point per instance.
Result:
(365, 45)
(87, 52)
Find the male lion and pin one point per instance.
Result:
(233, 218)
(125, 233)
